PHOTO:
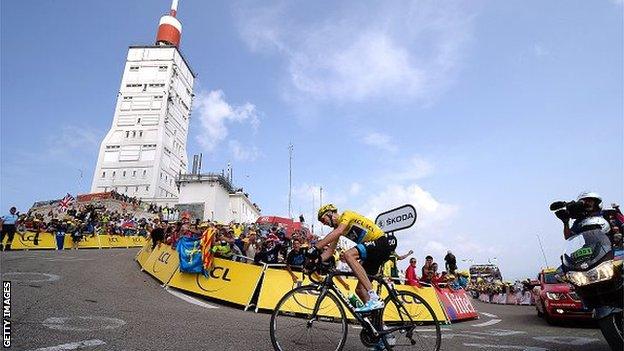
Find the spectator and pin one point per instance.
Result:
(426, 269)
(222, 249)
(157, 234)
(269, 253)
(450, 262)
(295, 258)
(9, 223)
(410, 273)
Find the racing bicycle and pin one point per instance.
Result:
(313, 317)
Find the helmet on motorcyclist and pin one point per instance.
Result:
(590, 195)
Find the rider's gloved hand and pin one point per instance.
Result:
(563, 215)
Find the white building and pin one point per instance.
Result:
(145, 149)
(215, 197)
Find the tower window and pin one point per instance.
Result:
(124, 174)
(134, 68)
(103, 174)
(127, 133)
(133, 174)
(114, 174)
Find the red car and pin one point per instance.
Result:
(556, 301)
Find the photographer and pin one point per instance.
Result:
(588, 204)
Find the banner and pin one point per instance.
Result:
(112, 241)
(456, 304)
(162, 263)
(87, 242)
(275, 284)
(93, 196)
(26, 241)
(227, 280)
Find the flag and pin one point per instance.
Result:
(190, 254)
(207, 240)
(66, 202)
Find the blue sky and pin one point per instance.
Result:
(478, 113)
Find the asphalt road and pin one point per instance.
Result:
(100, 300)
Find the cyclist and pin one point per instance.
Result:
(373, 249)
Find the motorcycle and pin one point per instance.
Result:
(594, 267)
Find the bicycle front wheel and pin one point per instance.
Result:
(414, 322)
(304, 319)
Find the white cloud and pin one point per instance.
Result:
(215, 113)
(71, 138)
(380, 141)
(244, 152)
(406, 49)
(410, 170)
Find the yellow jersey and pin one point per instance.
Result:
(359, 228)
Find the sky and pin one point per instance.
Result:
(478, 113)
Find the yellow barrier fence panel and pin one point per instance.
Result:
(162, 263)
(136, 241)
(113, 241)
(418, 311)
(87, 242)
(26, 241)
(144, 254)
(227, 280)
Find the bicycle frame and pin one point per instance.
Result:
(328, 286)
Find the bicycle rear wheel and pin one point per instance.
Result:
(417, 327)
(295, 325)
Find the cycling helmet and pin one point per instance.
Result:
(589, 195)
(324, 209)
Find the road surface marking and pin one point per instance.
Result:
(489, 315)
(509, 347)
(566, 340)
(488, 323)
(496, 332)
(73, 345)
(189, 299)
(83, 323)
(47, 277)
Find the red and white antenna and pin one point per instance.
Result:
(169, 28)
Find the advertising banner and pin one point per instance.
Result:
(456, 304)
(87, 242)
(275, 284)
(227, 280)
(112, 241)
(162, 263)
(26, 241)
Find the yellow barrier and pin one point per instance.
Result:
(87, 242)
(228, 280)
(277, 283)
(26, 241)
(162, 263)
(112, 241)
(136, 241)
(144, 254)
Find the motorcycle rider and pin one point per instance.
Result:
(592, 209)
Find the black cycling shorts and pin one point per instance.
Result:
(374, 254)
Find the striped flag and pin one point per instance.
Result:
(207, 240)
(66, 202)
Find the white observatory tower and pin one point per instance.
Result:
(145, 149)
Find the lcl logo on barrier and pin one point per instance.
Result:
(27, 239)
(163, 259)
(216, 272)
(113, 239)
